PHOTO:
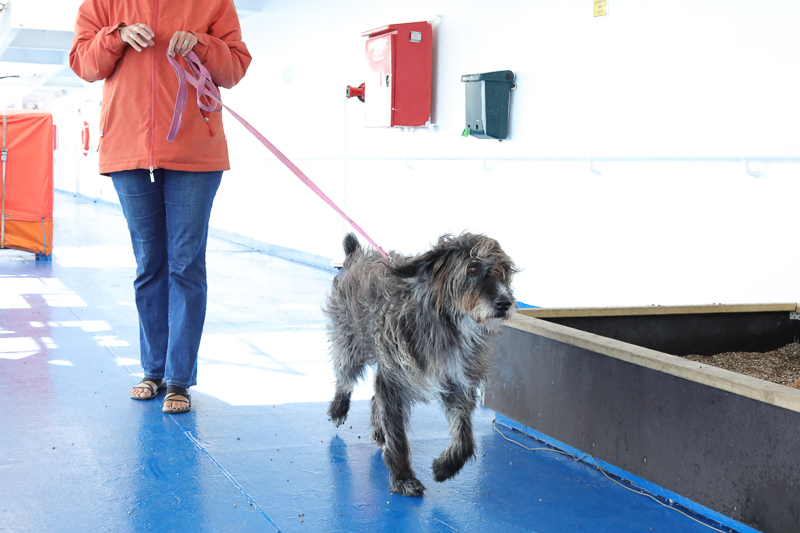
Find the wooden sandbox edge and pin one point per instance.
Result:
(750, 387)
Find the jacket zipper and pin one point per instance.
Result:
(153, 96)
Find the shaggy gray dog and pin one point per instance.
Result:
(428, 322)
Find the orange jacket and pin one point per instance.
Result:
(140, 87)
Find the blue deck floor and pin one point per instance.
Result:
(257, 453)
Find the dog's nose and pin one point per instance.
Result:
(502, 305)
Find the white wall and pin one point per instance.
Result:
(74, 171)
(668, 98)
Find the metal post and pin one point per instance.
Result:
(44, 239)
(3, 156)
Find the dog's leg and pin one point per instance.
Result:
(376, 417)
(349, 368)
(392, 410)
(459, 403)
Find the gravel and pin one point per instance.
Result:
(780, 366)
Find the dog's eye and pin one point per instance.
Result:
(473, 270)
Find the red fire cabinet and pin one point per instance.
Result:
(399, 65)
(26, 205)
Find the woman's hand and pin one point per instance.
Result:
(139, 36)
(181, 43)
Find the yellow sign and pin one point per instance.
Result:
(600, 8)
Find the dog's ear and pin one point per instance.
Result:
(350, 244)
(417, 267)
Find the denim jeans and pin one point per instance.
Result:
(168, 223)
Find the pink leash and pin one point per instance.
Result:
(209, 99)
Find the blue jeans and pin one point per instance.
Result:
(168, 222)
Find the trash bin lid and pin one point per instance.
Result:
(500, 75)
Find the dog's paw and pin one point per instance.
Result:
(407, 487)
(338, 409)
(444, 469)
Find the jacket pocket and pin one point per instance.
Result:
(207, 121)
(104, 116)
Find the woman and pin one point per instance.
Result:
(166, 189)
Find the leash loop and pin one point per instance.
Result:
(209, 99)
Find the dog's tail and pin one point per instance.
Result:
(350, 244)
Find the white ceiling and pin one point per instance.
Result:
(35, 39)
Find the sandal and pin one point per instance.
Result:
(179, 395)
(152, 385)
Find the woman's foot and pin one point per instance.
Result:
(177, 400)
(147, 389)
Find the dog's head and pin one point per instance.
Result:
(470, 274)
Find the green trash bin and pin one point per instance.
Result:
(487, 103)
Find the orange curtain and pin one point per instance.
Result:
(27, 196)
